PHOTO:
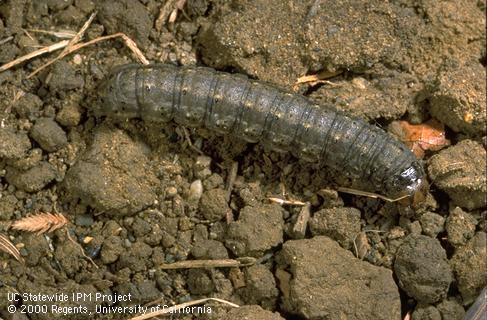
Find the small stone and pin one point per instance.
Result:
(77, 59)
(171, 192)
(202, 162)
(48, 134)
(195, 191)
(432, 224)
(422, 269)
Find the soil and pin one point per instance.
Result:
(139, 195)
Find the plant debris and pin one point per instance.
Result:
(421, 137)
(41, 223)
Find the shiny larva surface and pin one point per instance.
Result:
(259, 112)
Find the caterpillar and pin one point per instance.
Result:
(256, 111)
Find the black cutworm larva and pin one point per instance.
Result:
(259, 112)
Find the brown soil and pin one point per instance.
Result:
(138, 195)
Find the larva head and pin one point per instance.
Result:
(118, 93)
(409, 181)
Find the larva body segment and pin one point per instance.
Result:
(259, 112)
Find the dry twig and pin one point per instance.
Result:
(40, 223)
(299, 228)
(8, 247)
(222, 263)
(289, 202)
(168, 12)
(66, 34)
(81, 249)
(33, 54)
(71, 46)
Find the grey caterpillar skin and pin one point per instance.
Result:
(259, 112)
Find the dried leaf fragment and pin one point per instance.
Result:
(40, 223)
(421, 137)
(8, 247)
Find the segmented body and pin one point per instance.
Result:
(259, 112)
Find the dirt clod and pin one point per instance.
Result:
(342, 278)
(340, 224)
(64, 77)
(459, 99)
(28, 106)
(250, 312)
(13, 144)
(111, 249)
(425, 312)
(257, 229)
(432, 224)
(213, 204)
(370, 99)
(34, 179)
(460, 227)
(112, 175)
(422, 269)
(48, 134)
(127, 16)
(260, 287)
(69, 115)
(140, 194)
(470, 267)
(209, 249)
(460, 171)
(135, 257)
(451, 309)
